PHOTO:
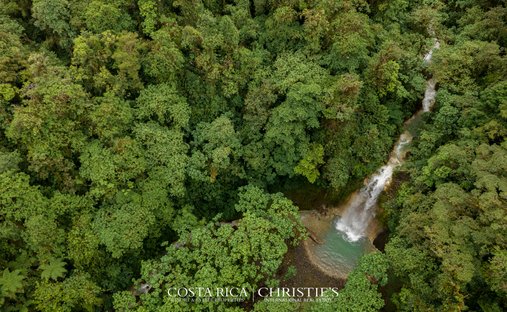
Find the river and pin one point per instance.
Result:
(345, 233)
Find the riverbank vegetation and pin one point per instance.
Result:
(448, 222)
(147, 144)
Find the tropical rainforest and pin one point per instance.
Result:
(152, 143)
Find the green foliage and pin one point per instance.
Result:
(133, 132)
(101, 16)
(13, 53)
(111, 117)
(53, 270)
(53, 17)
(164, 59)
(308, 165)
(448, 219)
(166, 155)
(220, 254)
(216, 149)
(108, 62)
(353, 38)
(165, 104)
(361, 290)
(467, 60)
(48, 125)
(148, 10)
(11, 282)
(496, 272)
(124, 226)
(393, 10)
(7, 91)
(76, 292)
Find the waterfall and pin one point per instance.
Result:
(429, 55)
(429, 95)
(430, 92)
(360, 210)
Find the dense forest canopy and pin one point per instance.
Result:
(133, 132)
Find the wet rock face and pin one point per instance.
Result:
(381, 240)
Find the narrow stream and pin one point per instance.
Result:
(345, 241)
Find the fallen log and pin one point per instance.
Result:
(314, 236)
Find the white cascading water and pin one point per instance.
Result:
(429, 55)
(429, 95)
(430, 92)
(357, 216)
(359, 213)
